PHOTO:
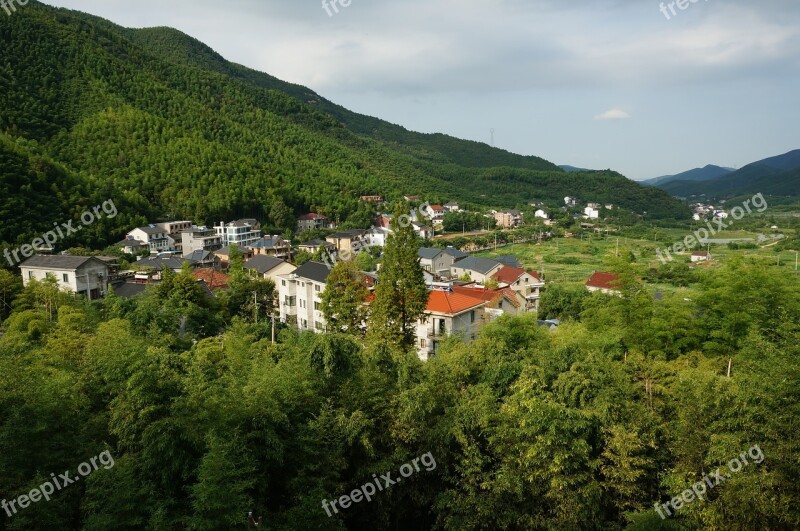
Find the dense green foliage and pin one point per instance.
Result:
(162, 125)
(583, 428)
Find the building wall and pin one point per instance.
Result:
(434, 328)
(77, 281)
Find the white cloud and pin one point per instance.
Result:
(613, 114)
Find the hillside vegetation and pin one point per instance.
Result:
(163, 125)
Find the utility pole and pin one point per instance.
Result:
(255, 307)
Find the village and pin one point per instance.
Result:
(466, 292)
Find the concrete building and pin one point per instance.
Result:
(200, 239)
(299, 296)
(243, 232)
(448, 314)
(82, 275)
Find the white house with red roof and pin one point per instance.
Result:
(448, 313)
(527, 283)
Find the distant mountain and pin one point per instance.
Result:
(778, 175)
(165, 126)
(698, 174)
(572, 169)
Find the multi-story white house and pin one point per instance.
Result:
(243, 232)
(154, 236)
(82, 275)
(300, 295)
(200, 239)
(448, 314)
(173, 230)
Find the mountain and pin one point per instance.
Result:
(698, 174)
(166, 127)
(779, 175)
(572, 169)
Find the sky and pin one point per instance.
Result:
(596, 84)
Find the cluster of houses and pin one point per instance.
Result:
(703, 211)
(465, 294)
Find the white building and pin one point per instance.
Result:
(82, 275)
(153, 236)
(591, 213)
(541, 214)
(300, 295)
(448, 314)
(200, 239)
(243, 232)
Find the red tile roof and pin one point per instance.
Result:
(603, 281)
(509, 275)
(214, 279)
(437, 208)
(310, 217)
(451, 303)
(489, 295)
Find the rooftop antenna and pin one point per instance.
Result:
(492, 132)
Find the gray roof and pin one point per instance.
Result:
(269, 242)
(263, 263)
(67, 263)
(428, 253)
(160, 262)
(313, 271)
(128, 290)
(455, 253)
(200, 255)
(151, 230)
(481, 265)
(509, 261)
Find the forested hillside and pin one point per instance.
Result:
(164, 126)
(629, 403)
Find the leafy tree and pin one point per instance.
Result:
(401, 295)
(344, 299)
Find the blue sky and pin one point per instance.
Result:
(592, 83)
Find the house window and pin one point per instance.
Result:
(283, 282)
(65, 277)
(472, 316)
(423, 343)
(317, 288)
(30, 275)
(316, 306)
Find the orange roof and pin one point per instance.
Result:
(509, 275)
(214, 279)
(604, 281)
(437, 208)
(488, 295)
(451, 303)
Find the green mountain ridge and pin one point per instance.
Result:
(162, 124)
(778, 176)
